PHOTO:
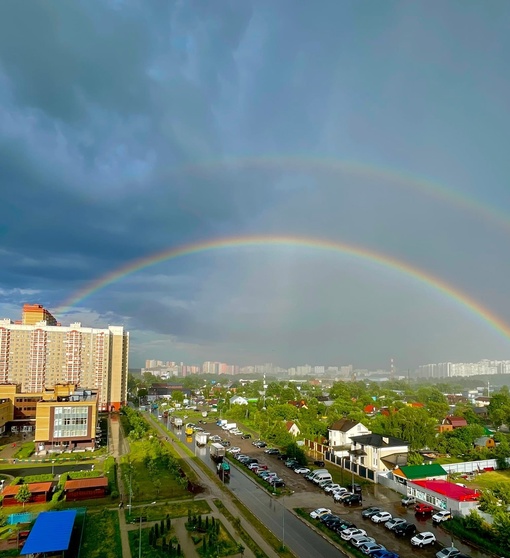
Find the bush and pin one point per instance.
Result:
(57, 495)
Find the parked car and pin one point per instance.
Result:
(342, 526)
(342, 496)
(215, 438)
(272, 451)
(259, 444)
(339, 490)
(353, 500)
(441, 516)
(405, 529)
(381, 517)
(424, 509)
(358, 540)
(246, 436)
(369, 512)
(347, 534)
(225, 443)
(234, 449)
(327, 517)
(393, 522)
(302, 470)
(315, 514)
(448, 552)
(331, 487)
(370, 548)
(423, 539)
(384, 554)
(277, 483)
(319, 463)
(408, 501)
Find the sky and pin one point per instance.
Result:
(130, 128)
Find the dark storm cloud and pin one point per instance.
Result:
(119, 122)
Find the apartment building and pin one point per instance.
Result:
(39, 356)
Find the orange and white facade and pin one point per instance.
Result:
(39, 356)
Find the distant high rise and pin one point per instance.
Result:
(41, 354)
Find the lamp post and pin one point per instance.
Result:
(283, 522)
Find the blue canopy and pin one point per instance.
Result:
(50, 533)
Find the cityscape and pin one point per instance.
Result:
(254, 279)
(170, 369)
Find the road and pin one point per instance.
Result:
(302, 541)
(309, 496)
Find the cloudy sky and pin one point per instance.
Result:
(129, 128)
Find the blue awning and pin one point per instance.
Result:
(50, 533)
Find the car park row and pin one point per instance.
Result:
(399, 526)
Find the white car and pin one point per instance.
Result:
(393, 522)
(381, 517)
(423, 539)
(441, 516)
(302, 470)
(234, 450)
(339, 490)
(339, 496)
(319, 512)
(215, 438)
(448, 552)
(332, 487)
(358, 540)
(348, 534)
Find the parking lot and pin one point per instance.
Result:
(308, 496)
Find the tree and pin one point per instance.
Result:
(23, 496)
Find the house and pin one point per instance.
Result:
(292, 428)
(407, 473)
(298, 404)
(482, 401)
(451, 422)
(341, 432)
(371, 454)
(238, 400)
(370, 409)
(484, 442)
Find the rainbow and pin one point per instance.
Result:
(493, 216)
(363, 254)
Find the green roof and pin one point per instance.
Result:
(423, 471)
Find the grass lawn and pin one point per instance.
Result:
(176, 509)
(161, 484)
(101, 536)
(488, 479)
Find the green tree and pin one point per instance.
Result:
(23, 495)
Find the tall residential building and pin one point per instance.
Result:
(34, 313)
(39, 356)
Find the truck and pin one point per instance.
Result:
(201, 438)
(229, 426)
(217, 452)
(177, 422)
(223, 470)
(221, 422)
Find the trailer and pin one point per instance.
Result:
(217, 452)
(201, 438)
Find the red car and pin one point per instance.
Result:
(424, 508)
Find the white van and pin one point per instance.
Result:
(322, 477)
(313, 474)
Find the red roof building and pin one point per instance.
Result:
(451, 422)
(444, 495)
(39, 493)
